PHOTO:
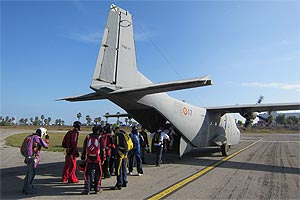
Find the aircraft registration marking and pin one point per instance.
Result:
(191, 178)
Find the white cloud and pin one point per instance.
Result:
(282, 86)
(94, 37)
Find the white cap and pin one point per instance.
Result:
(43, 131)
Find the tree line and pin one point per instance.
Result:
(46, 121)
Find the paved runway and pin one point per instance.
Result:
(270, 169)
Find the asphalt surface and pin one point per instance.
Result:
(270, 169)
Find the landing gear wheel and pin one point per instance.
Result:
(224, 150)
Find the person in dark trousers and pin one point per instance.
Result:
(135, 152)
(112, 157)
(69, 171)
(120, 159)
(144, 144)
(93, 154)
(158, 138)
(106, 139)
(33, 160)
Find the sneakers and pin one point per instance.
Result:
(73, 181)
(85, 193)
(131, 173)
(107, 176)
(117, 187)
(125, 184)
(30, 192)
(140, 174)
(98, 191)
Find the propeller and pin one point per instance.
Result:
(269, 119)
(260, 99)
(250, 116)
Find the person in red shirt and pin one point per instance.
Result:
(69, 171)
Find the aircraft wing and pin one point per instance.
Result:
(165, 87)
(255, 108)
(85, 97)
(117, 115)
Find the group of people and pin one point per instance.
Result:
(104, 153)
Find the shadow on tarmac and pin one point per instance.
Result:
(48, 176)
(47, 181)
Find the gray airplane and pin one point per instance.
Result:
(117, 79)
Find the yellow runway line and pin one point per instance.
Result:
(189, 179)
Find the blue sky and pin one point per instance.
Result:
(49, 50)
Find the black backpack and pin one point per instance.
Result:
(156, 138)
(66, 142)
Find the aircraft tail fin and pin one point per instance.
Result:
(116, 70)
(117, 59)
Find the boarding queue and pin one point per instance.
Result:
(106, 152)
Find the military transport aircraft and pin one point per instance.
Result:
(148, 103)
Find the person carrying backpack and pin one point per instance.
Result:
(93, 154)
(120, 152)
(106, 138)
(135, 152)
(31, 149)
(69, 171)
(144, 144)
(157, 139)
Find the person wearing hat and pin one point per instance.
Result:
(135, 152)
(158, 138)
(33, 160)
(69, 171)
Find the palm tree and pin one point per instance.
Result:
(26, 120)
(97, 120)
(118, 121)
(31, 120)
(106, 116)
(88, 120)
(21, 121)
(49, 120)
(79, 116)
(102, 123)
(42, 118)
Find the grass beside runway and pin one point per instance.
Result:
(56, 137)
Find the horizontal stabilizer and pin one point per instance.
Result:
(165, 87)
(85, 97)
(117, 115)
(255, 108)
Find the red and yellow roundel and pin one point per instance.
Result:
(185, 111)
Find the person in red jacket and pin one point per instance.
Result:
(69, 175)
